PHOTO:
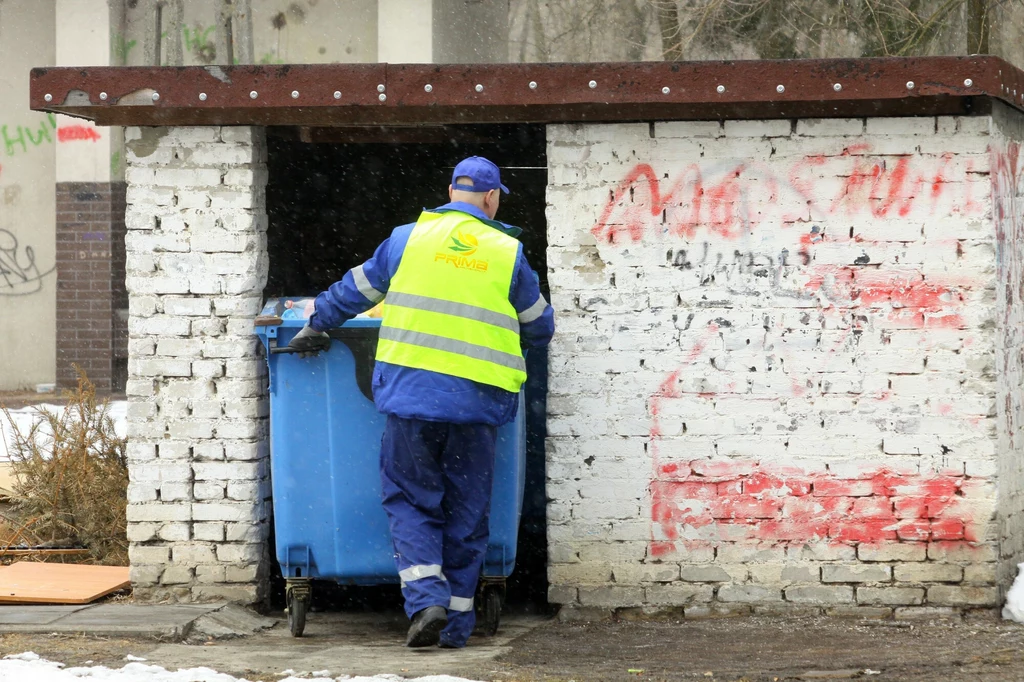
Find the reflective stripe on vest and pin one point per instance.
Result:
(364, 286)
(447, 307)
(534, 311)
(452, 308)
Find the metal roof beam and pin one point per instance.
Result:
(329, 95)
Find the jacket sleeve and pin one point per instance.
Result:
(536, 317)
(360, 289)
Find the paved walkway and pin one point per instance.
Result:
(529, 648)
(349, 643)
(235, 640)
(170, 622)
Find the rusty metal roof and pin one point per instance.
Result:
(405, 94)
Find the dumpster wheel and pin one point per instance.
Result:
(492, 599)
(298, 595)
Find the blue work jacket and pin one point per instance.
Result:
(422, 394)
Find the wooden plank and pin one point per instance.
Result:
(35, 583)
(41, 552)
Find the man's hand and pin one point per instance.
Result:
(309, 342)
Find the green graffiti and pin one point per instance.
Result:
(115, 164)
(197, 41)
(121, 47)
(44, 134)
(24, 136)
(197, 38)
(270, 58)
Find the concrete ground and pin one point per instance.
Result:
(528, 647)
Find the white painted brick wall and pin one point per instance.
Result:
(774, 374)
(1008, 213)
(196, 264)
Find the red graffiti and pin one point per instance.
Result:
(913, 302)
(885, 191)
(687, 204)
(860, 275)
(739, 197)
(633, 219)
(670, 387)
(77, 132)
(1006, 165)
(708, 502)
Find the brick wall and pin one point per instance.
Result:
(90, 281)
(1007, 175)
(118, 290)
(773, 382)
(198, 457)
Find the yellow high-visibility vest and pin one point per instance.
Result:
(447, 308)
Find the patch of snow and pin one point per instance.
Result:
(27, 656)
(29, 666)
(1014, 608)
(25, 417)
(441, 678)
(129, 657)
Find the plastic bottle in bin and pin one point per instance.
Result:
(297, 309)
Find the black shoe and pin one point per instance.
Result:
(447, 645)
(426, 627)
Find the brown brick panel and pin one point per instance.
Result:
(118, 290)
(90, 276)
(118, 205)
(121, 333)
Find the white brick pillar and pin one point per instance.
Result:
(197, 418)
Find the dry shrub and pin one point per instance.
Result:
(71, 475)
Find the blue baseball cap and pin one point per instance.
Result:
(484, 174)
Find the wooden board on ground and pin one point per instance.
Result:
(35, 583)
(41, 553)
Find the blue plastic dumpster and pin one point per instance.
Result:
(325, 438)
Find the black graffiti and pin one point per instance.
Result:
(738, 271)
(19, 273)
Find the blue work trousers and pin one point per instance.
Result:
(436, 488)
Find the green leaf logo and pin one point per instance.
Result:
(464, 243)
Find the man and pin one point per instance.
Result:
(461, 304)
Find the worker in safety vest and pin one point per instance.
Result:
(461, 303)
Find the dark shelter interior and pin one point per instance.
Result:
(334, 194)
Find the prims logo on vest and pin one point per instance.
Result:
(464, 245)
